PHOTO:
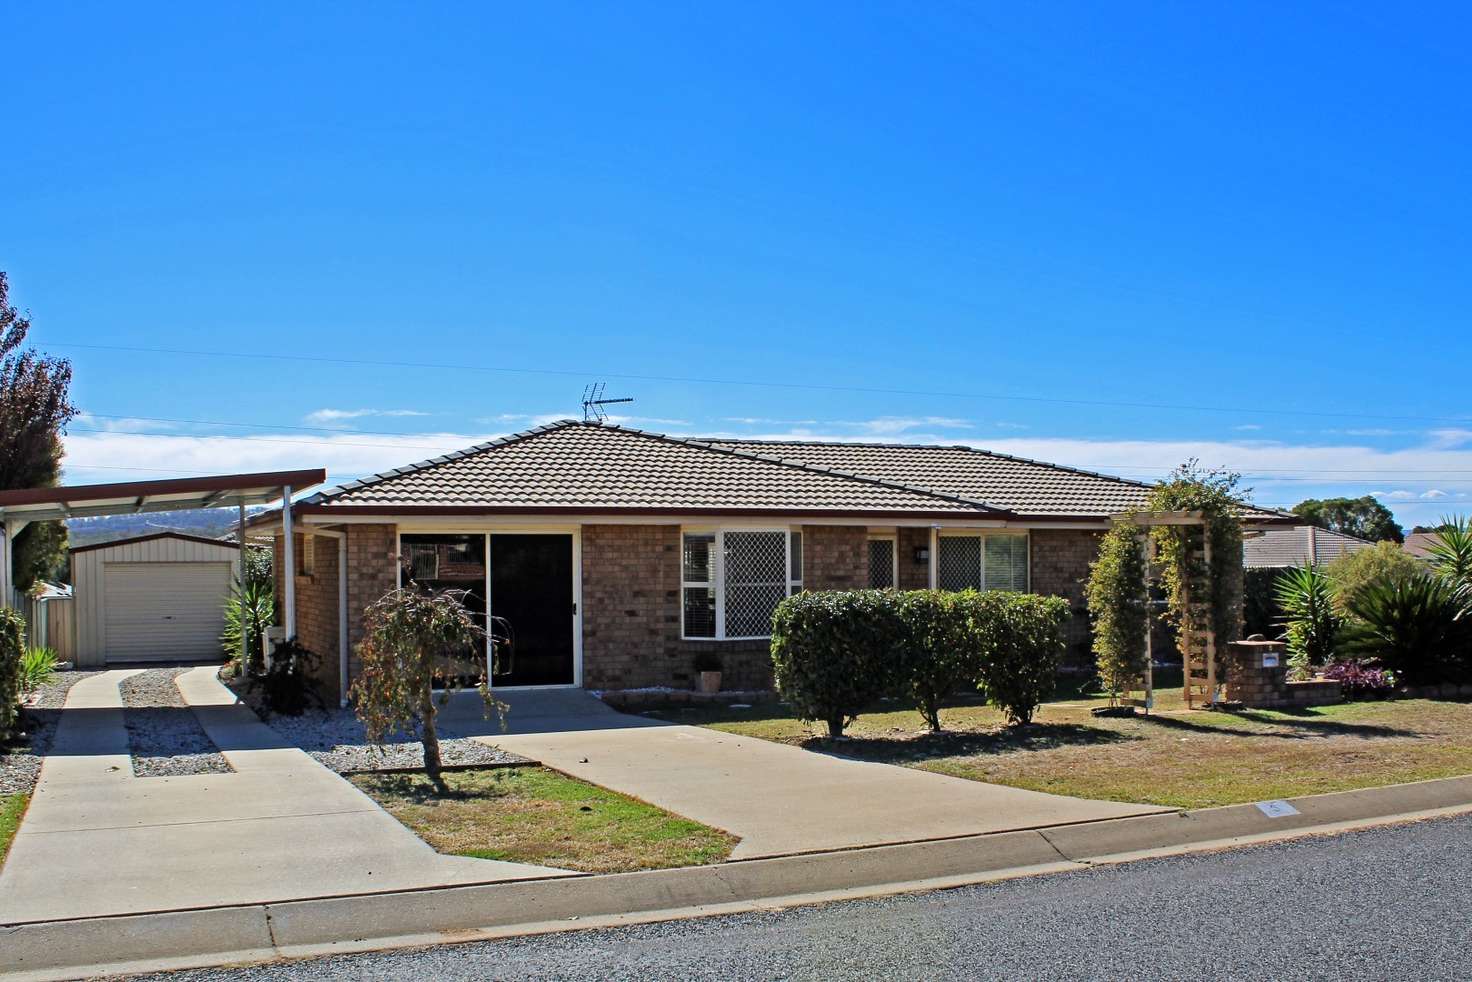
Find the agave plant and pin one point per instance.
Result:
(1311, 625)
(251, 609)
(1413, 627)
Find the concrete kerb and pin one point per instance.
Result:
(120, 945)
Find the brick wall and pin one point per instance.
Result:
(316, 604)
(1060, 566)
(913, 575)
(631, 616)
(835, 557)
(372, 571)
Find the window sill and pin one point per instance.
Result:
(755, 637)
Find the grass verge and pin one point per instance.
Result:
(12, 807)
(1174, 757)
(535, 815)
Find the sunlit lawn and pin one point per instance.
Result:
(534, 815)
(1174, 757)
(12, 807)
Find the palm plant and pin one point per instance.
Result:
(1451, 554)
(1412, 627)
(1311, 624)
(250, 609)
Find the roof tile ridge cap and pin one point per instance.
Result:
(831, 471)
(325, 497)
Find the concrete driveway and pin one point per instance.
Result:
(779, 799)
(97, 840)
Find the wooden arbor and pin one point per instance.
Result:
(1196, 636)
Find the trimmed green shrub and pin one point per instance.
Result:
(1022, 639)
(942, 649)
(1116, 594)
(12, 647)
(1307, 597)
(835, 651)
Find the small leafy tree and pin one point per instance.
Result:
(1311, 624)
(1386, 562)
(1115, 592)
(836, 651)
(12, 649)
(34, 408)
(415, 638)
(942, 650)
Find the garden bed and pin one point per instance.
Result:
(1173, 756)
(538, 816)
(334, 738)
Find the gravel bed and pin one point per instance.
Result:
(164, 735)
(20, 760)
(334, 737)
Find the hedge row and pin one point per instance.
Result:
(12, 646)
(835, 652)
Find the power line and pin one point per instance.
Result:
(809, 386)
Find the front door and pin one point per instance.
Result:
(532, 592)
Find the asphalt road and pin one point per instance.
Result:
(1392, 903)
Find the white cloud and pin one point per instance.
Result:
(1245, 427)
(765, 421)
(1399, 495)
(891, 425)
(1434, 493)
(120, 424)
(337, 415)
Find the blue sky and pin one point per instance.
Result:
(1107, 235)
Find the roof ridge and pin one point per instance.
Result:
(799, 465)
(329, 494)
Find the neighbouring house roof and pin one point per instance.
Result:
(1283, 547)
(1418, 544)
(589, 467)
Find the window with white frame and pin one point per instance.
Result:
(993, 561)
(732, 579)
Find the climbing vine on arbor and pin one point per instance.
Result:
(1178, 551)
(1116, 596)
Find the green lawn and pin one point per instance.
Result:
(535, 815)
(12, 807)
(1174, 757)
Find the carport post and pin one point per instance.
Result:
(244, 638)
(288, 559)
(5, 574)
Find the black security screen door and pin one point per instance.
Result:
(531, 587)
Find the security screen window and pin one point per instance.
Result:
(732, 581)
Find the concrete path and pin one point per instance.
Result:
(96, 840)
(778, 799)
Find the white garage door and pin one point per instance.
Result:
(164, 611)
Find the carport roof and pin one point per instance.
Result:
(174, 494)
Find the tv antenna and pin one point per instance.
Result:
(594, 401)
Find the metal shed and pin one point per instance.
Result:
(152, 598)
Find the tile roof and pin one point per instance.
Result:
(571, 465)
(1284, 547)
(1028, 487)
(1418, 544)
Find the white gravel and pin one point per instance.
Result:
(335, 738)
(20, 760)
(164, 735)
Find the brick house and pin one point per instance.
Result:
(616, 555)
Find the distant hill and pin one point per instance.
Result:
(210, 523)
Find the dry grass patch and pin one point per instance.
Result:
(535, 815)
(1175, 757)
